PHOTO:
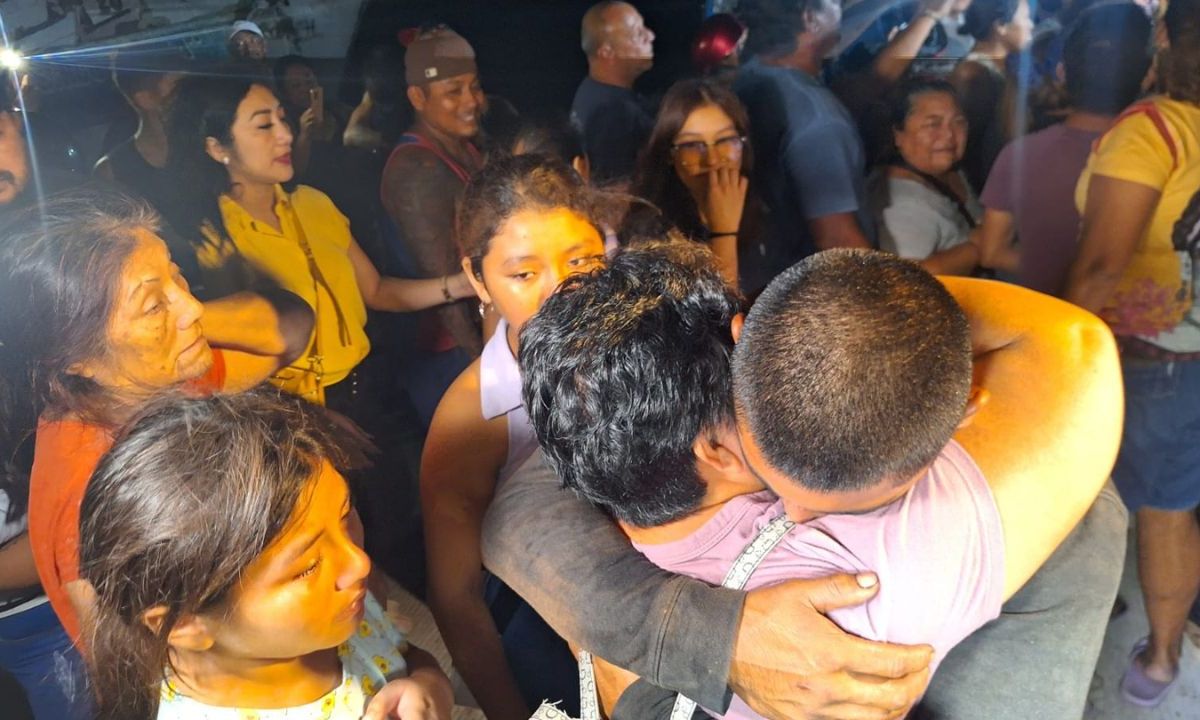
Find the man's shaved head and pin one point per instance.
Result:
(596, 25)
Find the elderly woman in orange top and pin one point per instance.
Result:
(97, 321)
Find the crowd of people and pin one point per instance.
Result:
(794, 392)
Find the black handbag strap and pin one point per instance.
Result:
(943, 189)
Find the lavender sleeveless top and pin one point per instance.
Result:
(500, 394)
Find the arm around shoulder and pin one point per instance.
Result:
(595, 590)
(1047, 437)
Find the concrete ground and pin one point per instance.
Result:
(1104, 702)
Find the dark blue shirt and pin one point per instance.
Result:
(614, 124)
(809, 163)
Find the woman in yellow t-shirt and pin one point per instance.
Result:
(1137, 267)
(232, 150)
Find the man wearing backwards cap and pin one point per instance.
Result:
(613, 121)
(247, 42)
(421, 181)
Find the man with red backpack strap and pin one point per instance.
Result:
(422, 179)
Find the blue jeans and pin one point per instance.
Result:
(36, 651)
(1159, 463)
(540, 660)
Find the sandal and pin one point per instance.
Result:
(1137, 687)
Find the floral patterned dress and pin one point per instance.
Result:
(370, 658)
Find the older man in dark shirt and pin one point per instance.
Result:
(613, 119)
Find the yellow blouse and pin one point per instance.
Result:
(280, 256)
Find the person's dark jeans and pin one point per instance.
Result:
(1035, 662)
(35, 650)
(540, 660)
(429, 375)
(386, 494)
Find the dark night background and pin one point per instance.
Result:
(528, 50)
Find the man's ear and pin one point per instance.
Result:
(975, 402)
(416, 96)
(735, 326)
(476, 282)
(190, 633)
(711, 452)
(583, 166)
(606, 51)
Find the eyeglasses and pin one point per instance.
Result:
(696, 151)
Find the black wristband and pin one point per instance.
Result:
(717, 235)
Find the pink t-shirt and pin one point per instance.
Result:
(938, 552)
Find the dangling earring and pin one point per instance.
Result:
(483, 308)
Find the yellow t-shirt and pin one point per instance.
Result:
(281, 257)
(1152, 300)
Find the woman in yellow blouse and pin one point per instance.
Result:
(232, 150)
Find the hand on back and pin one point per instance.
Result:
(791, 662)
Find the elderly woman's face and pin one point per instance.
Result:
(934, 136)
(154, 336)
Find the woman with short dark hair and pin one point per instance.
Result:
(924, 207)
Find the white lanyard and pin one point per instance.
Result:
(735, 579)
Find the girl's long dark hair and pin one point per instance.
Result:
(60, 272)
(508, 185)
(655, 180)
(188, 497)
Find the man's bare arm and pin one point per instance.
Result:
(837, 230)
(1047, 436)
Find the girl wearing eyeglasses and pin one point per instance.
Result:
(695, 166)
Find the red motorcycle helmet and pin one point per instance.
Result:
(719, 37)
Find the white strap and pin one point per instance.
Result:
(589, 699)
(735, 579)
(546, 711)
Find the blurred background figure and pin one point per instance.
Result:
(613, 118)
(717, 49)
(247, 42)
